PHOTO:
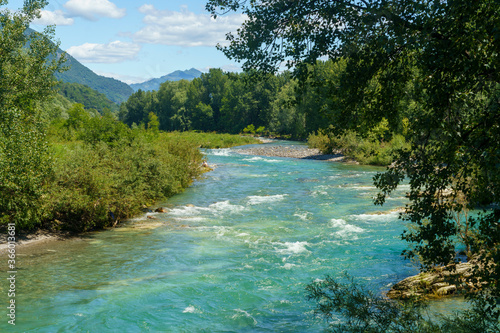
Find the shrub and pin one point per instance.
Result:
(94, 186)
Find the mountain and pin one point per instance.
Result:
(115, 90)
(154, 84)
(90, 98)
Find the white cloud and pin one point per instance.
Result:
(184, 28)
(113, 52)
(56, 17)
(92, 9)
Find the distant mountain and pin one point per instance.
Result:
(115, 90)
(154, 84)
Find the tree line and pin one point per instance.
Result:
(230, 102)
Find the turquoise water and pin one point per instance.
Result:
(233, 254)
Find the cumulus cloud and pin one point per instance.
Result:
(184, 28)
(92, 9)
(113, 52)
(57, 17)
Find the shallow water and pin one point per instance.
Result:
(233, 254)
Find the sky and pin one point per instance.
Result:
(135, 40)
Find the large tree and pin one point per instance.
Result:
(28, 60)
(449, 53)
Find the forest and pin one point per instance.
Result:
(276, 105)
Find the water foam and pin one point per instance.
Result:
(293, 248)
(259, 199)
(220, 152)
(252, 159)
(242, 313)
(263, 159)
(383, 217)
(191, 309)
(193, 212)
(226, 207)
(346, 229)
(303, 216)
(288, 266)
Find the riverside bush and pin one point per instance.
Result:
(105, 172)
(370, 150)
(94, 186)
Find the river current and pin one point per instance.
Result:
(233, 254)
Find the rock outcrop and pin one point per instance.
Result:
(443, 281)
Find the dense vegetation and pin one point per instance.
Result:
(434, 63)
(70, 166)
(103, 171)
(273, 105)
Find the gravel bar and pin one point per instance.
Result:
(291, 151)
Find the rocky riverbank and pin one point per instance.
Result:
(443, 281)
(292, 151)
(39, 238)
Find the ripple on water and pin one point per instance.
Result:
(227, 262)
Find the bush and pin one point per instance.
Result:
(321, 141)
(372, 150)
(94, 186)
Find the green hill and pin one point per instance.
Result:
(115, 90)
(90, 98)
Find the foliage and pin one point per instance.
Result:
(26, 79)
(229, 102)
(104, 171)
(55, 107)
(434, 63)
(96, 186)
(349, 306)
(372, 149)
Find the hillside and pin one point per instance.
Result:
(115, 90)
(154, 84)
(90, 98)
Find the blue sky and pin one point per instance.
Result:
(135, 40)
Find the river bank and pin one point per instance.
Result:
(42, 237)
(234, 251)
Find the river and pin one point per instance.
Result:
(233, 254)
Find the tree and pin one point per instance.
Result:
(448, 52)
(28, 61)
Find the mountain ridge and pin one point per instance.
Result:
(154, 84)
(117, 91)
